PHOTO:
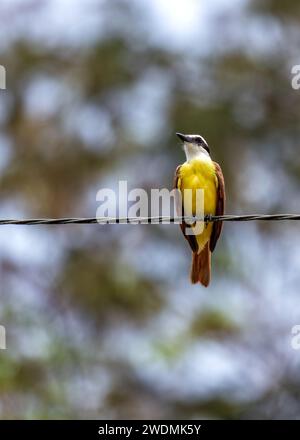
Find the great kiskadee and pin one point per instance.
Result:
(200, 172)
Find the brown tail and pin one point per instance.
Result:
(201, 266)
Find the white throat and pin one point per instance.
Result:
(193, 151)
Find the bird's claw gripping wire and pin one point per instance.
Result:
(207, 219)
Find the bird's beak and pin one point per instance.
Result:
(182, 137)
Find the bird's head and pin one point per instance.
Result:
(194, 144)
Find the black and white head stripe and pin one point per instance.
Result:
(194, 139)
(198, 140)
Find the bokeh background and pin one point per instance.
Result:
(101, 321)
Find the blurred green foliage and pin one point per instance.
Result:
(102, 321)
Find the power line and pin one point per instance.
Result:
(151, 220)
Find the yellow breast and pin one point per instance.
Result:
(199, 174)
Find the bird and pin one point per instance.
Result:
(199, 171)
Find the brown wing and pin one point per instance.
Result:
(180, 212)
(217, 226)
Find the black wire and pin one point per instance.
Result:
(152, 220)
